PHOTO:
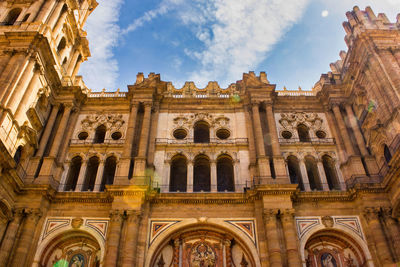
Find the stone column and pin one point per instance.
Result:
(228, 254)
(153, 133)
(45, 10)
(60, 22)
(375, 227)
(81, 177)
(340, 176)
(55, 14)
(279, 161)
(214, 183)
(48, 166)
(129, 251)
(322, 175)
(190, 176)
(99, 176)
(25, 240)
(21, 106)
(260, 148)
(393, 231)
(19, 89)
(70, 129)
(77, 66)
(72, 62)
(47, 131)
(274, 250)
(250, 137)
(304, 175)
(176, 258)
(166, 176)
(10, 236)
(35, 161)
(140, 160)
(237, 181)
(262, 160)
(370, 161)
(112, 243)
(60, 131)
(122, 173)
(292, 246)
(336, 134)
(356, 130)
(343, 131)
(34, 9)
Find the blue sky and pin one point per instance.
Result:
(293, 41)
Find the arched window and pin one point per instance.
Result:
(178, 174)
(312, 173)
(73, 173)
(387, 154)
(17, 155)
(61, 45)
(294, 171)
(225, 174)
(201, 174)
(12, 16)
(201, 132)
(91, 172)
(302, 130)
(109, 172)
(100, 134)
(330, 172)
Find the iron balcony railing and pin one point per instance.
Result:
(90, 141)
(234, 141)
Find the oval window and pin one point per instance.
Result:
(286, 134)
(116, 135)
(223, 134)
(320, 134)
(83, 136)
(180, 134)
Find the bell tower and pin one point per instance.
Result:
(42, 44)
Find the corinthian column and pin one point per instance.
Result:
(112, 242)
(129, 251)
(375, 227)
(292, 246)
(262, 160)
(273, 242)
(26, 238)
(9, 237)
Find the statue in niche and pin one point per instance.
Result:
(77, 260)
(202, 256)
(327, 260)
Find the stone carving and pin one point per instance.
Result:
(327, 221)
(76, 222)
(111, 121)
(189, 121)
(291, 120)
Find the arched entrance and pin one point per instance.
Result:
(333, 248)
(71, 248)
(202, 245)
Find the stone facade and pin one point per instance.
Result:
(160, 176)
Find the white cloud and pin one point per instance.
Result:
(324, 13)
(162, 9)
(242, 34)
(101, 70)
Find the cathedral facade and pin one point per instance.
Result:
(187, 177)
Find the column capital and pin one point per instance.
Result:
(133, 216)
(116, 216)
(371, 213)
(269, 215)
(387, 211)
(148, 104)
(287, 215)
(254, 103)
(33, 214)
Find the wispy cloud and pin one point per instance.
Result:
(101, 70)
(162, 9)
(236, 34)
